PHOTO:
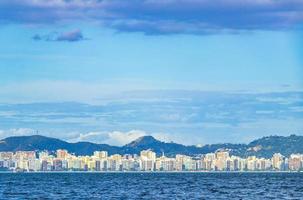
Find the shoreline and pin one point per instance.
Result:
(153, 172)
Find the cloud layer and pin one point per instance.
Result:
(69, 36)
(160, 16)
(16, 132)
(188, 117)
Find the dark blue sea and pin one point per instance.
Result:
(151, 186)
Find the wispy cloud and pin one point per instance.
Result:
(69, 36)
(114, 138)
(161, 16)
(16, 132)
(182, 113)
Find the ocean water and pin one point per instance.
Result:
(151, 186)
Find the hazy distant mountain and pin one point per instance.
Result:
(37, 142)
(264, 147)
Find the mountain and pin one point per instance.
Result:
(144, 141)
(266, 146)
(148, 142)
(263, 147)
(40, 143)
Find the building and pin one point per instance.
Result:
(278, 161)
(147, 161)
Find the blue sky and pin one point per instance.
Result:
(188, 71)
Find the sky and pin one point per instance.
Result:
(188, 71)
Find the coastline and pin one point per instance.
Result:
(153, 172)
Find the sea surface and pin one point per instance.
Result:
(151, 186)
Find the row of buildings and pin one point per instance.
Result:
(146, 161)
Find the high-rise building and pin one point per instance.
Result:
(221, 160)
(148, 155)
(295, 162)
(62, 154)
(277, 161)
(101, 154)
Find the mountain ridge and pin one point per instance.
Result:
(263, 147)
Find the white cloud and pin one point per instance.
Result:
(124, 137)
(122, 90)
(113, 138)
(52, 91)
(16, 132)
(117, 138)
(60, 90)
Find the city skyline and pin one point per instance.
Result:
(101, 161)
